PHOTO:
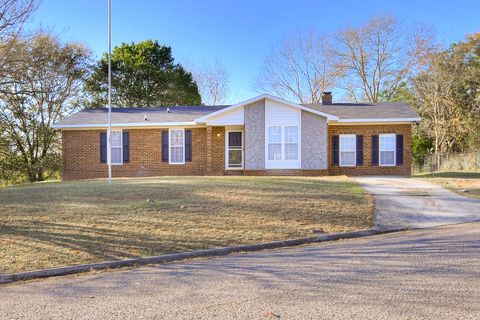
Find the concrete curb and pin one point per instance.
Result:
(62, 271)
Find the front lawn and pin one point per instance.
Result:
(464, 183)
(62, 223)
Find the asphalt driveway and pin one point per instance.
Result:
(413, 203)
(417, 274)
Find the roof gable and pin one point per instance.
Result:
(205, 118)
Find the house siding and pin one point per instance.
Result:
(367, 131)
(81, 155)
(255, 135)
(314, 148)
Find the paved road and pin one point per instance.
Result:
(413, 203)
(416, 274)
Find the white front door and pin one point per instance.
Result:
(234, 150)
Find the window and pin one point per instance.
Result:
(283, 143)
(348, 146)
(387, 149)
(116, 147)
(275, 143)
(291, 143)
(177, 146)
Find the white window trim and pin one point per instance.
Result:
(109, 144)
(394, 149)
(282, 142)
(170, 145)
(227, 147)
(340, 150)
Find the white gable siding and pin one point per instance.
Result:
(230, 118)
(278, 114)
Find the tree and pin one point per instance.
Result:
(13, 15)
(213, 81)
(447, 95)
(144, 74)
(43, 85)
(375, 58)
(300, 68)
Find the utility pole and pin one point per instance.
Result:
(109, 133)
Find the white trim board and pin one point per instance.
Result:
(125, 125)
(270, 97)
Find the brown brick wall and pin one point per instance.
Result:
(81, 155)
(367, 131)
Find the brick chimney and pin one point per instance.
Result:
(327, 97)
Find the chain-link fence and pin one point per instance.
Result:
(459, 162)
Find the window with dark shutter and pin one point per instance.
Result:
(399, 151)
(335, 150)
(165, 146)
(188, 145)
(375, 150)
(126, 147)
(103, 147)
(359, 150)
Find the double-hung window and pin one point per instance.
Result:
(275, 143)
(291, 143)
(283, 143)
(177, 146)
(348, 146)
(116, 144)
(387, 149)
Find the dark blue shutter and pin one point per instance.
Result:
(375, 150)
(335, 150)
(103, 147)
(359, 150)
(165, 146)
(399, 153)
(126, 147)
(188, 145)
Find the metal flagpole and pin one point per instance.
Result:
(109, 134)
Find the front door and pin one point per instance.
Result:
(234, 152)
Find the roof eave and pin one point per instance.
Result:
(124, 125)
(415, 119)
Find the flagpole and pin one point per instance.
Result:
(109, 135)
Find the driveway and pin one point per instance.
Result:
(416, 274)
(413, 203)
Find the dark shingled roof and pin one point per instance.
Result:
(344, 111)
(380, 110)
(137, 115)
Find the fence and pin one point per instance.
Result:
(462, 162)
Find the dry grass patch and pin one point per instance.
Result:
(464, 183)
(61, 223)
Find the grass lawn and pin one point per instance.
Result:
(458, 182)
(61, 223)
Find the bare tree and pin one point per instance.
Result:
(213, 81)
(44, 85)
(301, 67)
(13, 15)
(375, 58)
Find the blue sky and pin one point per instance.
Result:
(238, 33)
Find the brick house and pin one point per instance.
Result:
(261, 136)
